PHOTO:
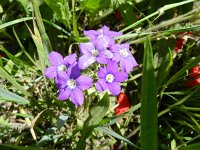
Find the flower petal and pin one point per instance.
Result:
(87, 48)
(84, 82)
(103, 42)
(70, 59)
(74, 71)
(101, 85)
(77, 96)
(92, 34)
(102, 72)
(107, 54)
(102, 60)
(62, 77)
(116, 57)
(85, 61)
(55, 58)
(114, 34)
(112, 67)
(50, 72)
(120, 76)
(105, 29)
(114, 88)
(64, 94)
(127, 64)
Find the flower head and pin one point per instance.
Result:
(103, 37)
(123, 104)
(123, 55)
(110, 77)
(58, 64)
(194, 77)
(71, 86)
(91, 54)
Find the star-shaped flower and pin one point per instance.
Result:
(110, 77)
(72, 87)
(58, 64)
(122, 54)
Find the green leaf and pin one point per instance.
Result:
(116, 135)
(15, 147)
(191, 147)
(162, 62)
(96, 114)
(1, 9)
(12, 80)
(148, 101)
(62, 10)
(10, 23)
(11, 97)
(92, 5)
(61, 121)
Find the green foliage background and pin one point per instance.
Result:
(164, 113)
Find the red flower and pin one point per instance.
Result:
(179, 45)
(123, 104)
(181, 41)
(194, 77)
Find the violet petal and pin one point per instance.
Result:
(101, 85)
(120, 76)
(112, 67)
(84, 82)
(77, 96)
(114, 88)
(62, 77)
(50, 72)
(85, 61)
(102, 72)
(86, 48)
(55, 58)
(64, 94)
(70, 59)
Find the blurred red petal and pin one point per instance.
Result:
(194, 72)
(193, 82)
(179, 45)
(123, 104)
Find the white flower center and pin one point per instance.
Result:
(101, 34)
(95, 52)
(110, 78)
(123, 52)
(62, 68)
(71, 83)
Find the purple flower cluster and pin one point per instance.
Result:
(115, 60)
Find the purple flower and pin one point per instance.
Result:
(123, 55)
(71, 87)
(103, 38)
(91, 53)
(110, 77)
(58, 64)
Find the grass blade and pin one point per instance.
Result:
(44, 37)
(6, 95)
(148, 101)
(10, 23)
(116, 135)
